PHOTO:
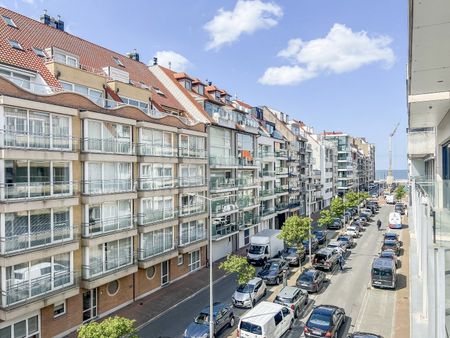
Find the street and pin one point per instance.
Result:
(367, 309)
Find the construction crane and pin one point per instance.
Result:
(390, 177)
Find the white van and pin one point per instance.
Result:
(395, 220)
(265, 320)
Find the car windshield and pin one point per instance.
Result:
(387, 254)
(319, 233)
(291, 251)
(202, 318)
(245, 288)
(285, 300)
(306, 277)
(382, 272)
(389, 245)
(319, 320)
(342, 239)
(390, 236)
(272, 266)
(250, 328)
(256, 249)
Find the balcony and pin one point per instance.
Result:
(266, 192)
(108, 225)
(223, 229)
(268, 156)
(281, 189)
(281, 207)
(193, 241)
(224, 207)
(152, 251)
(192, 153)
(157, 183)
(150, 217)
(108, 146)
(282, 154)
(41, 237)
(421, 142)
(22, 291)
(101, 187)
(148, 149)
(343, 149)
(266, 174)
(246, 202)
(281, 171)
(30, 141)
(222, 184)
(223, 162)
(191, 181)
(99, 267)
(267, 212)
(37, 190)
(294, 204)
(192, 209)
(249, 221)
(246, 183)
(246, 162)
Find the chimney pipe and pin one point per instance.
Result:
(155, 61)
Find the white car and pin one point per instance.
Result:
(352, 231)
(248, 294)
(340, 246)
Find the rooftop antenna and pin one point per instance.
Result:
(155, 61)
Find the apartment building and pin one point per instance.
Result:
(101, 169)
(366, 165)
(428, 92)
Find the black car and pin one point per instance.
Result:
(400, 208)
(321, 236)
(311, 280)
(364, 335)
(274, 271)
(336, 225)
(314, 244)
(294, 256)
(324, 321)
(391, 236)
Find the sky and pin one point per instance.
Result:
(334, 64)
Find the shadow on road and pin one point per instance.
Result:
(401, 282)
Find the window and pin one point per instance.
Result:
(113, 288)
(157, 242)
(156, 143)
(278, 318)
(188, 84)
(59, 309)
(27, 328)
(191, 175)
(89, 305)
(107, 137)
(150, 272)
(107, 177)
(192, 146)
(108, 216)
(191, 204)
(194, 260)
(117, 61)
(180, 260)
(201, 89)
(10, 22)
(94, 95)
(15, 44)
(156, 176)
(39, 52)
(156, 209)
(158, 91)
(62, 57)
(192, 232)
(133, 102)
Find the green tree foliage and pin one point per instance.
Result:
(326, 217)
(111, 327)
(239, 265)
(352, 199)
(337, 207)
(400, 192)
(294, 230)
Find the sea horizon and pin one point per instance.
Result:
(399, 174)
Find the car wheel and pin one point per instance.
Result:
(253, 303)
(231, 322)
(291, 324)
(265, 292)
(296, 313)
(278, 281)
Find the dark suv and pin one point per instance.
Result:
(324, 321)
(325, 259)
(274, 271)
(294, 256)
(311, 280)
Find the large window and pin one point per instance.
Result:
(192, 146)
(65, 58)
(220, 146)
(23, 328)
(28, 229)
(94, 95)
(194, 260)
(192, 231)
(156, 143)
(29, 179)
(156, 209)
(109, 256)
(107, 177)
(132, 102)
(191, 175)
(31, 279)
(156, 242)
(156, 176)
(107, 137)
(108, 216)
(38, 130)
(191, 204)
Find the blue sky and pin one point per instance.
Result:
(344, 70)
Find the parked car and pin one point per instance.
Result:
(223, 317)
(366, 215)
(311, 280)
(338, 244)
(266, 320)
(336, 225)
(274, 271)
(400, 208)
(353, 231)
(294, 298)
(324, 321)
(363, 335)
(364, 220)
(321, 236)
(389, 244)
(294, 256)
(246, 295)
(392, 235)
(325, 258)
(348, 240)
(391, 255)
(314, 244)
(359, 225)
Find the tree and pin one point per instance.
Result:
(239, 265)
(352, 199)
(363, 195)
(326, 217)
(111, 327)
(337, 207)
(295, 230)
(400, 192)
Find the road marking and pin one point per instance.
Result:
(362, 310)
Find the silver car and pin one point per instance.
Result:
(248, 294)
(294, 298)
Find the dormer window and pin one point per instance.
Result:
(228, 99)
(188, 84)
(10, 22)
(65, 58)
(117, 61)
(201, 89)
(39, 52)
(217, 94)
(16, 45)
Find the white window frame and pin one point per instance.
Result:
(64, 304)
(15, 44)
(9, 21)
(194, 265)
(118, 138)
(67, 56)
(170, 246)
(180, 260)
(162, 149)
(27, 318)
(117, 177)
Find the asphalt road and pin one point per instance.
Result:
(349, 289)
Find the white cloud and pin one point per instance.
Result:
(247, 17)
(342, 50)
(172, 60)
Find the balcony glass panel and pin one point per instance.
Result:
(223, 226)
(107, 137)
(156, 242)
(156, 176)
(156, 143)
(192, 146)
(108, 217)
(155, 209)
(221, 182)
(223, 205)
(191, 232)
(107, 178)
(191, 175)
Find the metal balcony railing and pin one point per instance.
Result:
(221, 229)
(107, 225)
(245, 182)
(281, 206)
(157, 183)
(281, 153)
(194, 153)
(37, 190)
(191, 181)
(98, 266)
(192, 209)
(221, 207)
(109, 146)
(281, 171)
(100, 187)
(246, 162)
(32, 141)
(266, 173)
(266, 192)
(149, 149)
(248, 221)
(281, 189)
(245, 202)
(222, 183)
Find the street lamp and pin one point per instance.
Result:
(211, 303)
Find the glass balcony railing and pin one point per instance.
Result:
(246, 162)
(152, 251)
(222, 183)
(192, 209)
(192, 237)
(109, 146)
(98, 266)
(266, 154)
(193, 153)
(191, 181)
(149, 217)
(223, 228)
(281, 153)
(99, 187)
(223, 206)
(245, 182)
(245, 202)
(266, 192)
(37, 190)
(281, 171)
(32, 141)
(149, 149)
(223, 161)
(281, 206)
(281, 189)
(267, 211)
(157, 183)
(107, 225)
(266, 173)
(294, 204)
(248, 221)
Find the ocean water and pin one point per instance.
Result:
(398, 174)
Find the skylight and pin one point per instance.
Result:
(158, 91)
(15, 44)
(39, 52)
(117, 61)
(10, 22)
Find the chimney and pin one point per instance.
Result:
(134, 55)
(52, 22)
(155, 61)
